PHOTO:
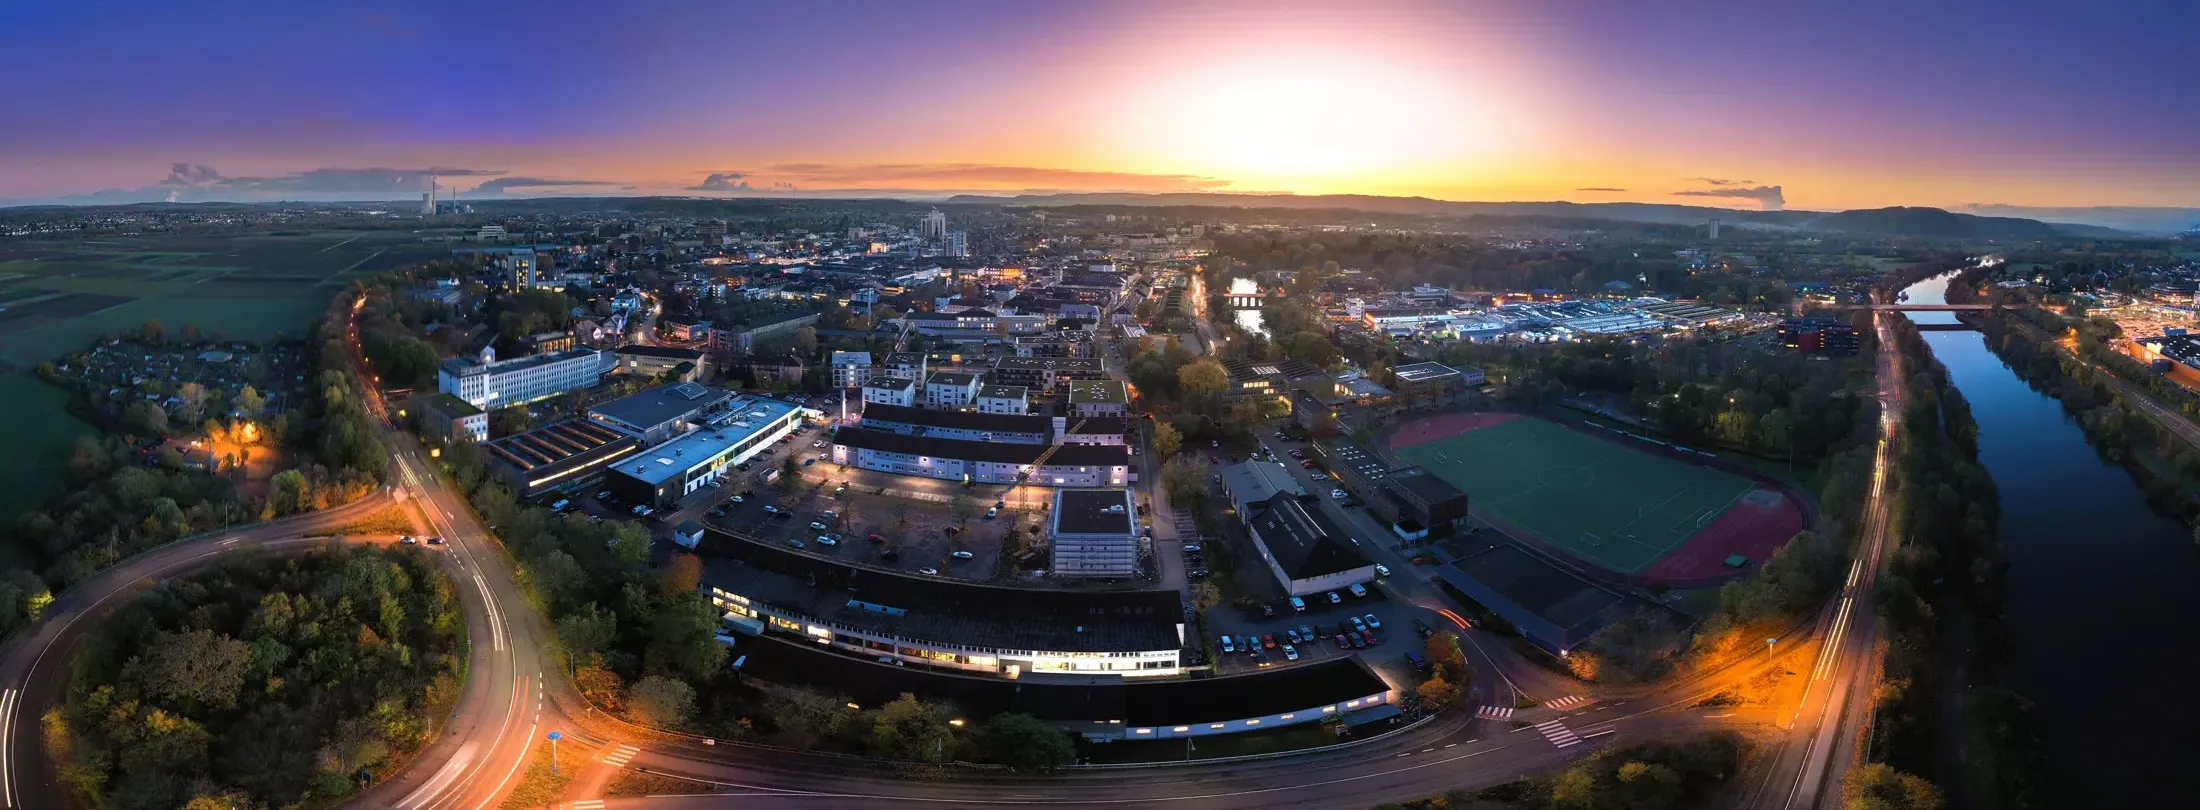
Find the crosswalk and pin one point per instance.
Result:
(586, 804)
(1558, 734)
(620, 756)
(1494, 713)
(1569, 702)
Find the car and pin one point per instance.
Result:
(1357, 624)
(715, 483)
(1382, 570)
(930, 572)
(819, 525)
(1358, 641)
(1260, 659)
(741, 467)
(890, 555)
(1191, 548)
(1334, 599)
(717, 511)
(1358, 591)
(1308, 464)
(1422, 628)
(1342, 644)
(1196, 575)
(1195, 560)
(794, 541)
(1374, 622)
(818, 443)
(1290, 653)
(408, 540)
(772, 509)
(738, 498)
(1291, 634)
(560, 504)
(1298, 604)
(647, 511)
(993, 512)
(828, 540)
(1308, 632)
(1336, 494)
(963, 555)
(876, 538)
(1269, 611)
(840, 489)
(435, 541)
(1268, 640)
(603, 494)
(808, 461)
(829, 514)
(784, 515)
(1298, 454)
(1228, 645)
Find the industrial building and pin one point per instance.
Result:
(1306, 551)
(1094, 533)
(486, 382)
(558, 455)
(660, 413)
(1067, 465)
(668, 472)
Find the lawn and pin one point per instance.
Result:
(1609, 504)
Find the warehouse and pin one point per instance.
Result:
(1068, 465)
(660, 413)
(558, 455)
(666, 473)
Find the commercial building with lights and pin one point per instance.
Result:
(660, 413)
(946, 624)
(668, 472)
(1094, 534)
(984, 462)
(489, 383)
(1045, 375)
(559, 455)
(958, 425)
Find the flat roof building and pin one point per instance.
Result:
(486, 382)
(660, 413)
(449, 418)
(668, 472)
(1067, 465)
(1094, 533)
(1099, 398)
(558, 454)
(1003, 399)
(882, 390)
(961, 425)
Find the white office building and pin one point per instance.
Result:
(851, 369)
(488, 383)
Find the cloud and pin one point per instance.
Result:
(1599, 188)
(187, 175)
(502, 185)
(939, 176)
(723, 181)
(1768, 196)
(199, 181)
(1714, 181)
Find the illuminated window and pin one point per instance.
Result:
(1288, 716)
(1351, 703)
(1253, 722)
(1145, 731)
(1218, 725)
(1329, 710)
(1181, 728)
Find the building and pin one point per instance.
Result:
(558, 455)
(1091, 398)
(960, 425)
(1416, 500)
(668, 472)
(488, 383)
(449, 418)
(1266, 379)
(1820, 335)
(658, 414)
(897, 391)
(851, 369)
(943, 624)
(656, 361)
(1358, 471)
(549, 343)
(1094, 534)
(742, 338)
(934, 225)
(950, 389)
(1551, 607)
(1306, 551)
(1092, 430)
(956, 244)
(1251, 484)
(1049, 347)
(906, 365)
(1003, 399)
(1066, 465)
(685, 331)
(1045, 375)
(1430, 385)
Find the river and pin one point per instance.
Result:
(2103, 593)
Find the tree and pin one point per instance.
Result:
(1166, 440)
(1205, 595)
(1202, 379)
(682, 575)
(1435, 693)
(196, 667)
(907, 728)
(1878, 786)
(1027, 743)
(288, 493)
(1312, 347)
(144, 418)
(191, 402)
(660, 702)
(601, 686)
(1185, 479)
(151, 332)
(805, 341)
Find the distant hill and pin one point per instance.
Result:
(2151, 220)
(1923, 223)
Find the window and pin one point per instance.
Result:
(1145, 731)
(1253, 722)
(1218, 726)
(1181, 728)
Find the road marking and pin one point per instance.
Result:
(1598, 730)
(496, 618)
(620, 756)
(8, 701)
(1568, 702)
(1448, 745)
(441, 780)
(1494, 713)
(1558, 734)
(587, 804)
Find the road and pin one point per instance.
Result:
(35, 665)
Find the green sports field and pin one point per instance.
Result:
(1598, 500)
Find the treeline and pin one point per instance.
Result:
(268, 682)
(1939, 595)
(119, 499)
(1693, 772)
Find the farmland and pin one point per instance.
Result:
(58, 296)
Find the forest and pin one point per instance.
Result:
(271, 681)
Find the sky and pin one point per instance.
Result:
(1740, 104)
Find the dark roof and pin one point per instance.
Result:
(956, 378)
(1287, 368)
(1339, 453)
(1418, 372)
(1423, 485)
(894, 383)
(664, 403)
(1144, 703)
(904, 358)
(1304, 541)
(1088, 455)
(1099, 426)
(1004, 391)
(557, 443)
(1085, 511)
(943, 610)
(957, 420)
(448, 405)
(667, 352)
(1054, 363)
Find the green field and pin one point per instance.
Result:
(1605, 503)
(41, 435)
(56, 297)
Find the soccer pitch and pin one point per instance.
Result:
(1611, 505)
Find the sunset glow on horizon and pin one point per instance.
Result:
(1732, 104)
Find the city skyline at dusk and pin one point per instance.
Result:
(1724, 104)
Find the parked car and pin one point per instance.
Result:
(828, 540)
(1357, 624)
(876, 538)
(1290, 653)
(1228, 646)
(1374, 622)
(717, 511)
(1422, 628)
(1298, 604)
(992, 512)
(1308, 464)
(930, 572)
(1268, 640)
(1358, 641)
(1336, 494)
(794, 541)
(1342, 643)
(407, 540)
(1196, 575)
(435, 541)
(1308, 632)
(1292, 634)
(818, 525)
(1382, 570)
(603, 495)
(740, 499)
(1268, 611)
(1191, 548)
(808, 461)
(772, 509)
(1358, 591)
(1195, 560)
(963, 555)
(1334, 599)
(1369, 637)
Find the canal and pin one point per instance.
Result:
(2103, 594)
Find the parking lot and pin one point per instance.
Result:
(951, 539)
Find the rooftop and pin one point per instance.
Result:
(1424, 485)
(554, 443)
(462, 365)
(891, 383)
(1099, 426)
(954, 378)
(651, 407)
(667, 352)
(1003, 391)
(956, 420)
(942, 610)
(1419, 372)
(1346, 454)
(1304, 541)
(1094, 511)
(751, 416)
(851, 358)
(905, 358)
(1068, 455)
(1099, 391)
(1252, 482)
(1048, 363)
(448, 405)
